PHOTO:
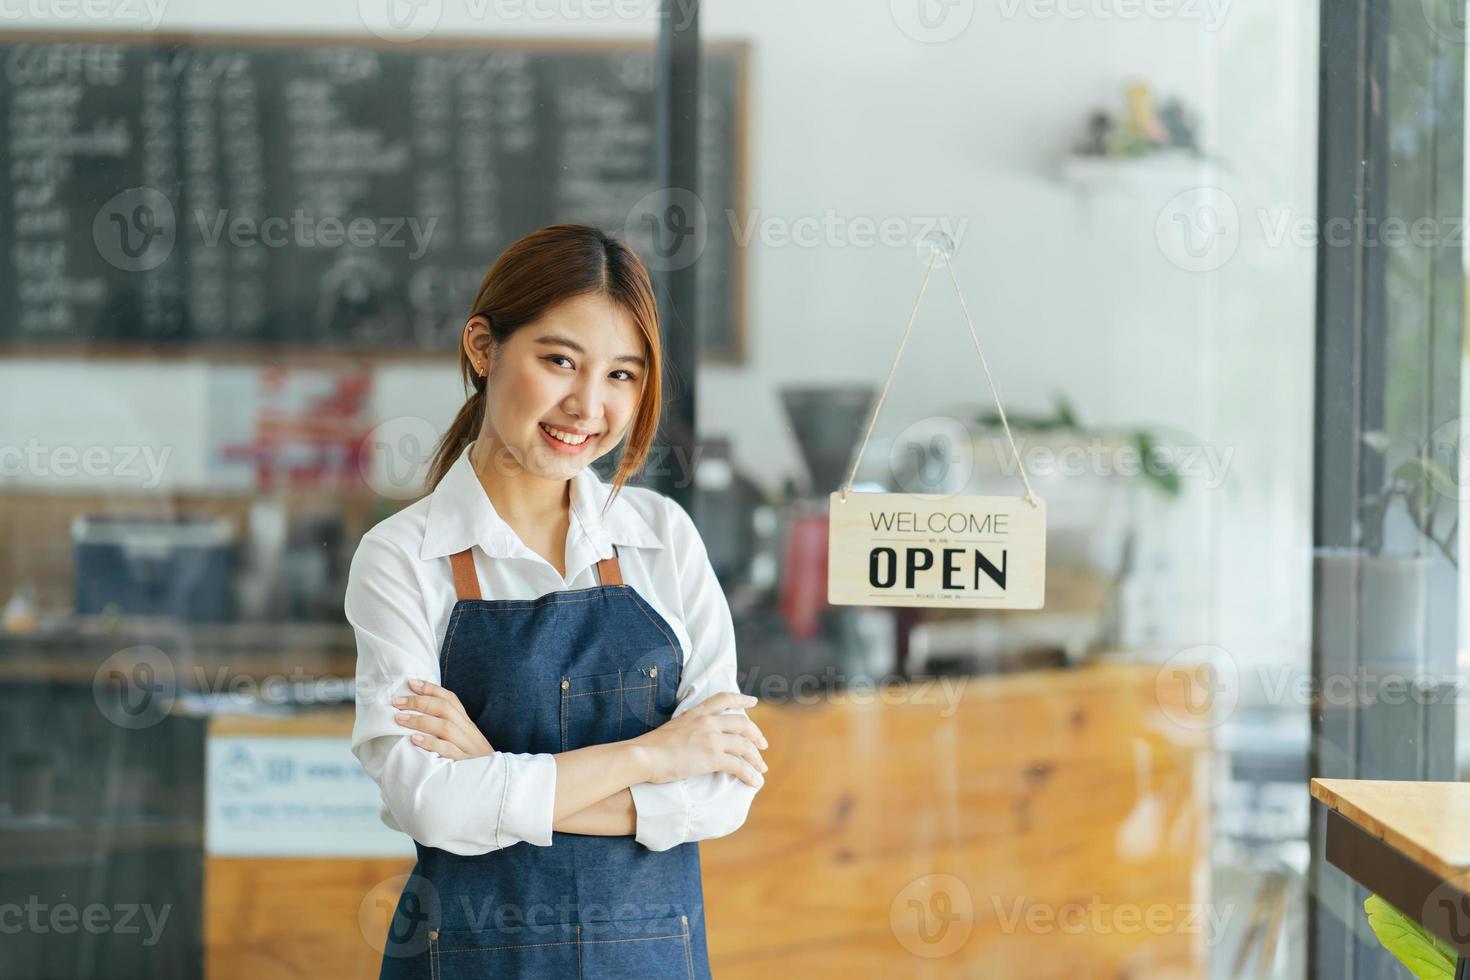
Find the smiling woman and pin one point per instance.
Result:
(593, 306)
(560, 742)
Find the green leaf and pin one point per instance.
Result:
(1417, 473)
(1426, 470)
(1066, 417)
(1421, 954)
(1161, 475)
(1376, 440)
(1440, 474)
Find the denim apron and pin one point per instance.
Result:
(566, 670)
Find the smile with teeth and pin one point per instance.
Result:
(562, 436)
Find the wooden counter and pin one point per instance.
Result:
(1424, 820)
(907, 836)
(1404, 841)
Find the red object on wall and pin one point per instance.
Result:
(804, 586)
(303, 428)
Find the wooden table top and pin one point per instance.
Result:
(1424, 820)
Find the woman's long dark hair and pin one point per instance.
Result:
(544, 268)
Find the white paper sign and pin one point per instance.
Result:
(283, 796)
(923, 549)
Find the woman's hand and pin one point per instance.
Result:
(447, 729)
(703, 740)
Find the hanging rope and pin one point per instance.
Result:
(898, 355)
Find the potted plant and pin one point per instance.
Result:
(1427, 487)
(1391, 590)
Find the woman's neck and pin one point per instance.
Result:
(520, 498)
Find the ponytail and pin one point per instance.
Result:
(461, 433)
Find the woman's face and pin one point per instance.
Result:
(563, 389)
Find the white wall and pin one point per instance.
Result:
(1073, 293)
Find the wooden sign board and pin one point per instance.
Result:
(935, 550)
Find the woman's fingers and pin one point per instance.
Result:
(438, 707)
(743, 726)
(439, 746)
(445, 733)
(721, 702)
(428, 705)
(425, 723)
(430, 688)
(739, 745)
(734, 761)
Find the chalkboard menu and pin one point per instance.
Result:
(320, 193)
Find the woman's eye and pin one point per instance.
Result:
(557, 358)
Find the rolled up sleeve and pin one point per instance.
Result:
(464, 806)
(714, 804)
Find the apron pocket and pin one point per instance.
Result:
(513, 953)
(616, 705)
(655, 948)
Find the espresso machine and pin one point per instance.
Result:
(792, 642)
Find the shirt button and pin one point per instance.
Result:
(565, 683)
(434, 934)
(653, 672)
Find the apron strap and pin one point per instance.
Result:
(608, 570)
(467, 583)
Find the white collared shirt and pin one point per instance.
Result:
(400, 590)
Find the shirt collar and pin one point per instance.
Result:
(461, 515)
